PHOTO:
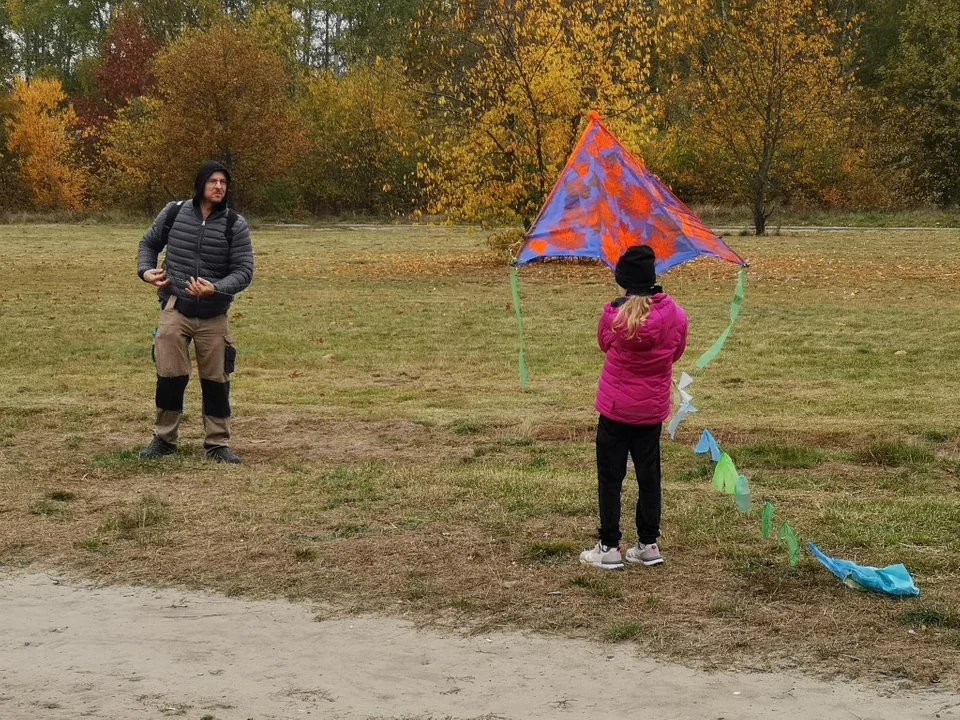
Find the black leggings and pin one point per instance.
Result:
(642, 442)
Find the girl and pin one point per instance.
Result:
(643, 333)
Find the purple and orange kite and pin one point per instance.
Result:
(606, 201)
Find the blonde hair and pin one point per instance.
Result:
(633, 314)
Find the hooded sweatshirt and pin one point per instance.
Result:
(198, 247)
(635, 382)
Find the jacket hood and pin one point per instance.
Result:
(203, 174)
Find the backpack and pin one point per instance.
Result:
(174, 210)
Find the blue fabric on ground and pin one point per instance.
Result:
(892, 580)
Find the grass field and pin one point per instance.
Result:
(394, 465)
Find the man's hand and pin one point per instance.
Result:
(200, 287)
(156, 277)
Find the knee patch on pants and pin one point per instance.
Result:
(170, 392)
(216, 398)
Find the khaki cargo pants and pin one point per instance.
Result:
(216, 357)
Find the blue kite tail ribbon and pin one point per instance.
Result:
(708, 444)
(891, 580)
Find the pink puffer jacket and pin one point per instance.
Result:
(635, 382)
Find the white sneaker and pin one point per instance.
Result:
(603, 557)
(648, 555)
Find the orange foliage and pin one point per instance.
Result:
(219, 94)
(42, 133)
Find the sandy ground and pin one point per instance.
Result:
(69, 649)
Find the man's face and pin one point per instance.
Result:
(216, 187)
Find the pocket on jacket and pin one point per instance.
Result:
(229, 355)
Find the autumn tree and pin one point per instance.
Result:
(768, 86)
(123, 72)
(365, 142)
(277, 30)
(41, 132)
(218, 94)
(120, 74)
(509, 82)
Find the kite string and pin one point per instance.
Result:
(187, 282)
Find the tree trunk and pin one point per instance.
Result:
(759, 211)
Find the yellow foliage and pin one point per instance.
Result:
(42, 132)
(769, 86)
(365, 139)
(510, 82)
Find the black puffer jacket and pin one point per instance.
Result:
(198, 248)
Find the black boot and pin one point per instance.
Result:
(223, 454)
(157, 449)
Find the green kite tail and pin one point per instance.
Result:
(743, 496)
(735, 307)
(725, 475)
(515, 284)
(793, 545)
(766, 521)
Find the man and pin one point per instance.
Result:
(209, 260)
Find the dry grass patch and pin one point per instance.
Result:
(393, 465)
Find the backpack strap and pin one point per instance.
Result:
(169, 219)
(174, 210)
(228, 231)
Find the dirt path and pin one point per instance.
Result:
(69, 649)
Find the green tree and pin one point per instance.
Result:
(880, 26)
(8, 49)
(166, 20)
(374, 28)
(54, 36)
(13, 192)
(922, 92)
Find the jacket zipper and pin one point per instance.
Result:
(203, 230)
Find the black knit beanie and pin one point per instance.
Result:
(636, 271)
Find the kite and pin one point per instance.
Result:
(686, 404)
(742, 494)
(766, 520)
(793, 545)
(606, 201)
